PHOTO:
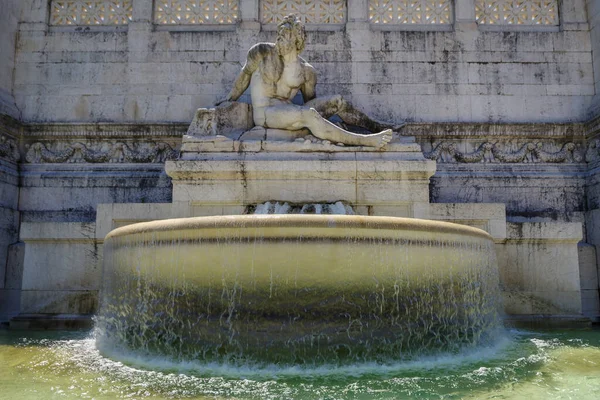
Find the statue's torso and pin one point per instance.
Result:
(267, 90)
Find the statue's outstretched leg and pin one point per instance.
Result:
(290, 116)
(329, 106)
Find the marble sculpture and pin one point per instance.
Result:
(275, 73)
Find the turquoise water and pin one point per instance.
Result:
(525, 364)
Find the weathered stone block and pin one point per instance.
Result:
(539, 268)
(229, 119)
(59, 301)
(79, 188)
(61, 271)
(489, 217)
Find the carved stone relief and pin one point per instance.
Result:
(309, 11)
(488, 152)
(523, 12)
(229, 119)
(428, 12)
(103, 152)
(90, 12)
(9, 148)
(190, 12)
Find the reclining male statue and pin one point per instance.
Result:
(275, 74)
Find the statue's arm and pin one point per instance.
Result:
(310, 83)
(239, 87)
(255, 54)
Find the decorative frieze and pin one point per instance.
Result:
(488, 152)
(593, 127)
(9, 149)
(196, 12)
(100, 152)
(592, 154)
(90, 12)
(425, 12)
(516, 12)
(485, 131)
(309, 11)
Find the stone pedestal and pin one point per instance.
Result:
(220, 170)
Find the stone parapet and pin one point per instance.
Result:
(488, 217)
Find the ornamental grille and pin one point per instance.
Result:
(516, 12)
(308, 11)
(410, 12)
(90, 12)
(193, 12)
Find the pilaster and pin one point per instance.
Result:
(250, 14)
(34, 15)
(573, 15)
(464, 15)
(358, 15)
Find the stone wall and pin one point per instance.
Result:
(9, 18)
(593, 8)
(98, 102)
(148, 73)
(9, 216)
(538, 171)
(67, 170)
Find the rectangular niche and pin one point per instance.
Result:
(311, 12)
(411, 12)
(196, 12)
(90, 12)
(517, 12)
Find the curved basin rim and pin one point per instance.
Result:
(355, 222)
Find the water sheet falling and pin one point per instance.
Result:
(298, 289)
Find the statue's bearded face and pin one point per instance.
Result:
(290, 36)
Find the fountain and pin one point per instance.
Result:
(277, 288)
(362, 305)
(298, 289)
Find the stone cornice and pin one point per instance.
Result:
(593, 127)
(444, 142)
(108, 130)
(102, 130)
(486, 130)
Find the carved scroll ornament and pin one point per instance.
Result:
(114, 152)
(447, 152)
(9, 149)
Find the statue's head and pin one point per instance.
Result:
(290, 35)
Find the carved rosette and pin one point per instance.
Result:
(488, 152)
(104, 152)
(9, 149)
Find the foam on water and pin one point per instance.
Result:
(524, 365)
(264, 371)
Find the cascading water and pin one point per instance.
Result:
(298, 289)
(337, 208)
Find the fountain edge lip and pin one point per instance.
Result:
(299, 221)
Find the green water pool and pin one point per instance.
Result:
(526, 364)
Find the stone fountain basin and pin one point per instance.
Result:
(305, 247)
(290, 287)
